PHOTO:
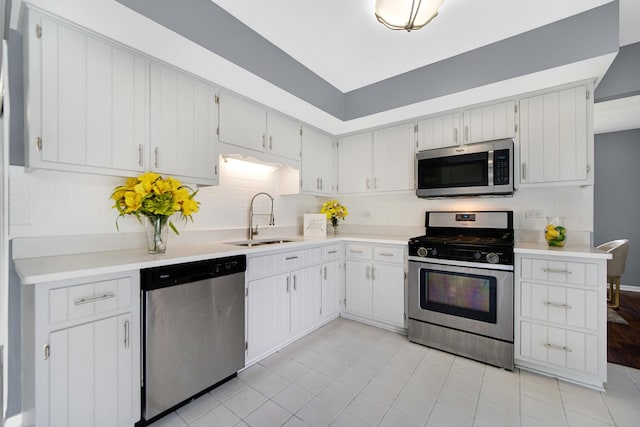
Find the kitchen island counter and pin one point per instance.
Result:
(541, 248)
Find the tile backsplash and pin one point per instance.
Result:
(50, 203)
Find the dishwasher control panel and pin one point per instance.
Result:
(170, 275)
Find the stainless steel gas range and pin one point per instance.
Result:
(460, 296)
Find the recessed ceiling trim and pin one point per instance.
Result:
(586, 35)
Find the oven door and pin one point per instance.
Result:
(470, 299)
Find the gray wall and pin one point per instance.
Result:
(617, 195)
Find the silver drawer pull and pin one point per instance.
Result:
(553, 270)
(557, 305)
(385, 254)
(333, 252)
(94, 299)
(126, 334)
(355, 252)
(558, 347)
(291, 257)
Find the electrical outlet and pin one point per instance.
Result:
(533, 214)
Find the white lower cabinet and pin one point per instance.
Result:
(561, 318)
(81, 352)
(284, 299)
(375, 284)
(332, 281)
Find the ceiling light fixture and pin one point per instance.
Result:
(406, 14)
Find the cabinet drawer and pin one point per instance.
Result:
(89, 299)
(270, 265)
(559, 347)
(388, 254)
(559, 304)
(576, 273)
(359, 251)
(330, 252)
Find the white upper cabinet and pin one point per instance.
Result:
(318, 162)
(486, 123)
(439, 131)
(355, 154)
(556, 138)
(183, 126)
(249, 125)
(393, 158)
(86, 101)
(377, 162)
(496, 121)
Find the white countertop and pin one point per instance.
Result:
(64, 267)
(583, 251)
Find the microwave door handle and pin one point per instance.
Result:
(490, 168)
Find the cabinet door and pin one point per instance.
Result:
(553, 137)
(358, 286)
(268, 314)
(284, 136)
(388, 293)
(93, 103)
(91, 375)
(331, 289)
(439, 131)
(393, 158)
(242, 123)
(354, 164)
(306, 299)
(317, 162)
(183, 124)
(489, 122)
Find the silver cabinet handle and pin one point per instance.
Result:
(368, 183)
(46, 352)
(558, 347)
(270, 143)
(333, 252)
(325, 273)
(126, 334)
(317, 183)
(291, 257)
(375, 183)
(385, 254)
(368, 274)
(287, 284)
(140, 155)
(95, 298)
(455, 135)
(321, 184)
(355, 252)
(524, 171)
(294, 283)
(264, 141)
(157, 161)
(466, 133)
(557, 305)
(373, 273)
(554, 270)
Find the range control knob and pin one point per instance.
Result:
(477, 255)
(434, 252)
(492, 258)
(422, 252)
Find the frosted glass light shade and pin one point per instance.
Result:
(406, 14)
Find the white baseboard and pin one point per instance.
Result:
(630, 288)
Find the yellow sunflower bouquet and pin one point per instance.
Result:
(155, 197)
(334, 211)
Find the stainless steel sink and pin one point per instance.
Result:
(259, 242)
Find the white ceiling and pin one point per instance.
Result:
(342, 42)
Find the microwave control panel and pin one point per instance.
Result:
(501, 167)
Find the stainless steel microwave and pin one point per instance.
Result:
(469, 170)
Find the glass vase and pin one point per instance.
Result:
(157, 233)
(555, 233)
(334, 225)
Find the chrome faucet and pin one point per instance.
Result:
(253, 232)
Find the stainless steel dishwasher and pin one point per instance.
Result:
(193, 331)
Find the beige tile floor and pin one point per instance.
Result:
(350, 374)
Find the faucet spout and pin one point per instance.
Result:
(253, 231)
